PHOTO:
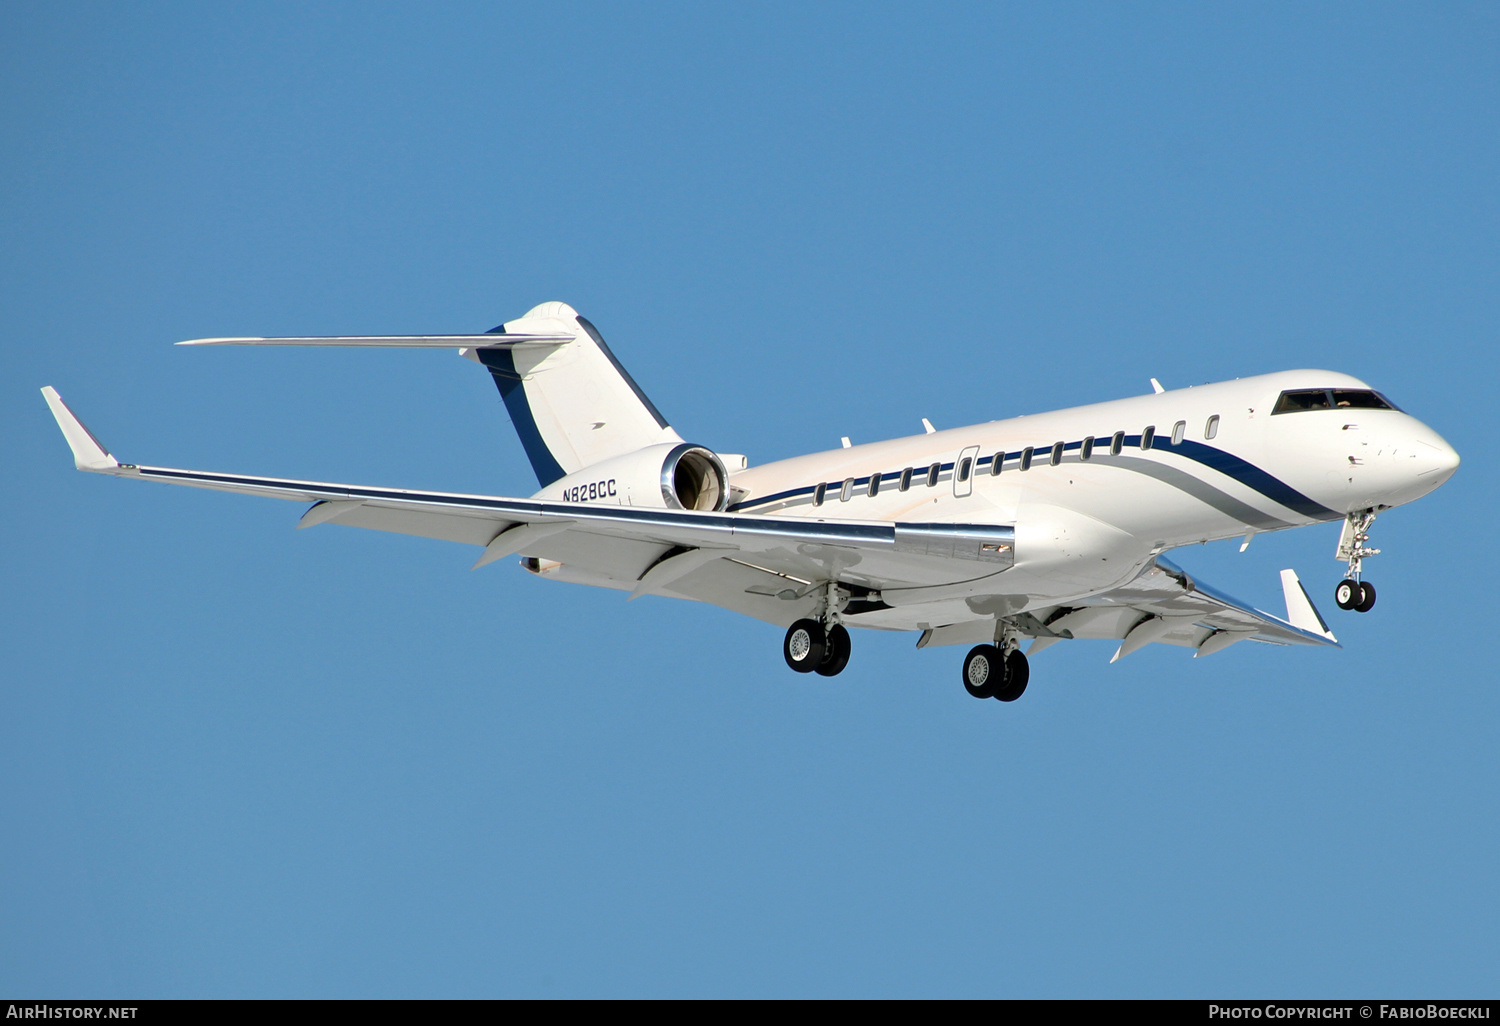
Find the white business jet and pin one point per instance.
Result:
(1048, 527)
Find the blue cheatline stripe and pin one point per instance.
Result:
(502, 367)
(1248, 474)
(1228, 464)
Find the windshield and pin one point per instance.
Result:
(1298, 400)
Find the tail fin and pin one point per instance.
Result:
(573, 404)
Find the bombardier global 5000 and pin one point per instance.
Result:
(1049, 527)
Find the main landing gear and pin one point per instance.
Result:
(819, 646)
(990, 673)
(998, 670)
(811, 647)
(1352, 593)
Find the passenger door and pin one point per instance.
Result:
(963, 471)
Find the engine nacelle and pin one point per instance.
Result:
(667, 476)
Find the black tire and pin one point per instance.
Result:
(1347, 594)
(1366, 597)
(836, 652)
(802, 648)
(983, 669)
(1017, 675)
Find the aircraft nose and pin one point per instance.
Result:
(1436, 460)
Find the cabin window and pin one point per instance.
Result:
(932, 474)
(1117, 443)
(1148, 436)
(1087, 448)
(905, 479)
(874, 485)
(819, 493)
(1178, 430)
(1211, 429)
(1026, 458)
(847, 490)
(997, 463)
(963, 468)
(1057, 451)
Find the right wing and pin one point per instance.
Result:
(1161, 604)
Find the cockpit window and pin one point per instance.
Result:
(1360, 399)
(1307, 399)
(1334, 399)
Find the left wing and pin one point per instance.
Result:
(764, 566)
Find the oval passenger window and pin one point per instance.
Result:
(997, 463)
(1212, 428)
(963, 469)
(1087, 448)
(1178, 430)
(1148, 436)
(906, 479)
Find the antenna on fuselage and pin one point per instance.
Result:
(1156, 387)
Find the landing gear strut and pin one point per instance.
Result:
(999, 670)
(820, 646)
(1352, 593)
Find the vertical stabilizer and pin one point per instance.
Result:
(574, 404)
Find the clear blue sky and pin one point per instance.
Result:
(239, 759)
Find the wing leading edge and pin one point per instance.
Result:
(641, 550)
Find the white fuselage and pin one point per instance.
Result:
(1086, 524)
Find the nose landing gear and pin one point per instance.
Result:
(1352, 593)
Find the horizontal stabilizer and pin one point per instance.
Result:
(88, 454)
(497, 341)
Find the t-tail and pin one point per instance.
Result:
(572, 403)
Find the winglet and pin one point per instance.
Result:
(1300, 612)
(88, 454)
